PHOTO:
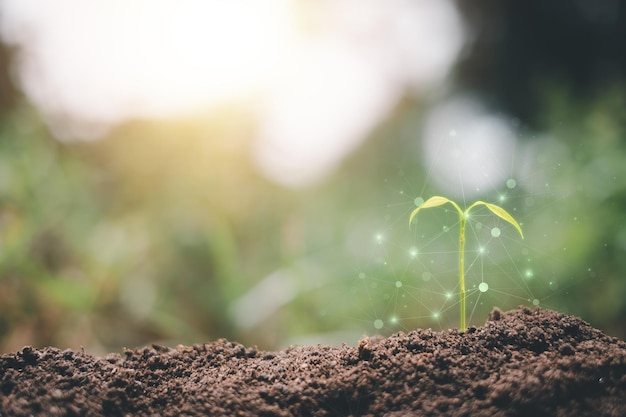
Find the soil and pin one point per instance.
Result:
(521, 363)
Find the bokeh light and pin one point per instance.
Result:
(318, 77)
(175, 172)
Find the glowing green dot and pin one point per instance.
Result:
(378, 324)
(535, 302)
(418, 201)
(413, 252)
(436, 315)
(511, 183)
(448, 295)
(398, 284)
(379, 238)
(483, 287)
(393, 319)
(495, 232)
(528, 273)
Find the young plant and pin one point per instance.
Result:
(463, 215)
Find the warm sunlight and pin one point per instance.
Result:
(106, 60)
(313, 78)
(218, 51)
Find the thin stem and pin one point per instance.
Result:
(463, 215)
(462, 267)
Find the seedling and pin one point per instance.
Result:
(463, 215)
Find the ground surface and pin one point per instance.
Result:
(521, 363)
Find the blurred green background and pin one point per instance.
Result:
(167, 229)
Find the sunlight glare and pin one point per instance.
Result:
(110, 60)
(315, 78)
(320, 110)
(476, 156)
(219, 50)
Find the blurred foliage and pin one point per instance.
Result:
(518, 46)
(164, 231)
(592, 132)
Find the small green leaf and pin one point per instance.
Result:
(434, 201)
(502, 213)
(497, 210)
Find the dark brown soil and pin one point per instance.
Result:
(521, 363)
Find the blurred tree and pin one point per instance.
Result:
(160, 230)
(9, 94)
(518, 49)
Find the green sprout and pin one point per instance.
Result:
(463, 215)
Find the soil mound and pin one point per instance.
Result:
(521, 363)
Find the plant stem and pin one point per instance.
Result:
(463, 215)
(462, 267)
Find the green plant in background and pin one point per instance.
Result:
(463, 216)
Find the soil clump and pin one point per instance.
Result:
(520, 363)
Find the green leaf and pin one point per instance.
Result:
(432, 202)
(500, 212)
